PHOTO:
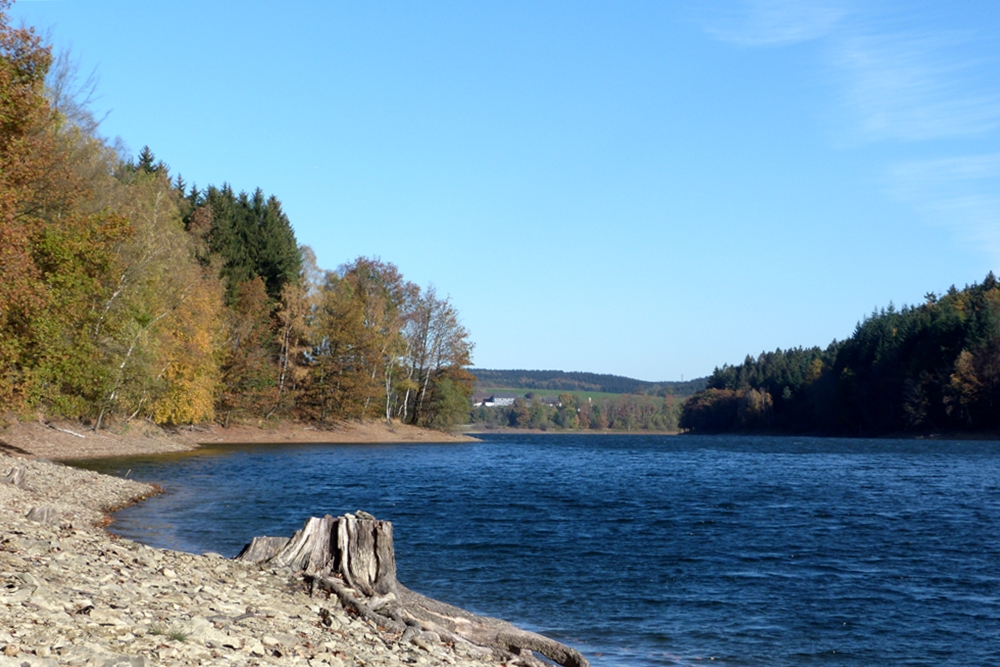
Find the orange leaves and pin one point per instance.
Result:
(35, 194)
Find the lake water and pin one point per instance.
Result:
(644, 550)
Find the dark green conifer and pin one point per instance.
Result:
(147, 162)
(254, 238)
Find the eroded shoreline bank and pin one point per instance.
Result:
(68, 441)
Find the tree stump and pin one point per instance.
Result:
(358, 548)
(353, 557)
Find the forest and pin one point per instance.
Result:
(626, 412)
(636, 405)
(574, 381)
(930, 368)
(128, 295)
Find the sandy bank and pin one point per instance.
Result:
(61, 441)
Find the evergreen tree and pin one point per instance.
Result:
(254, 238)
(148, 164)
(931, 367)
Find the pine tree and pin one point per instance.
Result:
(254, 238)
(147, 161)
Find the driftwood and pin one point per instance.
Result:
(65, 430)
(352, 557)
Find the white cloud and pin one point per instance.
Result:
(946, 173)
(894, 83)
(931, 91)
(897, 78)
(775, 22)
(915, 87)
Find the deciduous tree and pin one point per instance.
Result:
(438, 347)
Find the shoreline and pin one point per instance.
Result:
(984, 436)
(568, 431)
(69, 441)
(74, 594)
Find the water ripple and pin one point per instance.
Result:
(645, 550)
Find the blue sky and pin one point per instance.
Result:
(648, 189)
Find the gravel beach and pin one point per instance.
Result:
(73, 594)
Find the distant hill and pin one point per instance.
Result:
(571, 381)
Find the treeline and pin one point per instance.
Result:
(125, 294)
(573, 381)
(928, 368)
(628, 412)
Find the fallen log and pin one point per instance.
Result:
(64, 430)
(352, 557)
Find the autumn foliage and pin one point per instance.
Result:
(126, 295)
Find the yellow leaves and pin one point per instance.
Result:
(187, 352)
(755, 407)
(344, 370)
(161, 325)
(816, 368)
(964, 382)
(189, 398)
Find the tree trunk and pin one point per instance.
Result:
(353, 557)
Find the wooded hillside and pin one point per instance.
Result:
(928, 368)
(572, 381)
(127, 294)
(620, 403)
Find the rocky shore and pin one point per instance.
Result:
(72, 594)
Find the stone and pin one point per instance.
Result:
(254, 647)
(124, 661)
(50, 515)
(77, 597)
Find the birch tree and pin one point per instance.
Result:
(438, 348)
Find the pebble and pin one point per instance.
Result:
(72, 594)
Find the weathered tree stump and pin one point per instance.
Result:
(352, 556)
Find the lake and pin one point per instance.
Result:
(643, 550)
